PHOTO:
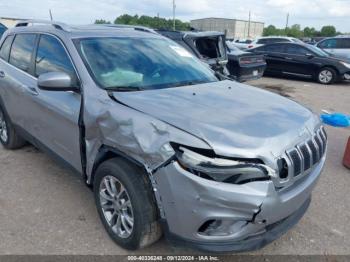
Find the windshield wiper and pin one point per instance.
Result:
(124, 88)
(189, 83)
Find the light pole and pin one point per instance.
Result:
(174, 7)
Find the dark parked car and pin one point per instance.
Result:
(243, 65)
(211, 48)
(304, 60)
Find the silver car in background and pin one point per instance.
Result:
(166, 145)
(337, 46)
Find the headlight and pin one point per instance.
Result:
(223, 170)
(345, 64)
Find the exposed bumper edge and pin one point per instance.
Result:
(273, 232)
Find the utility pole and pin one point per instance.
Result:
(50, 14)
(249, 24)
(174, 8)
(287, 23)
(158, 22)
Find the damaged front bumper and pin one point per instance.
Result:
(221, 217)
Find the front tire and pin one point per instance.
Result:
(8, 135)
(126, 205)
(327, 76)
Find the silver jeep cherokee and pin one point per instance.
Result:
(168, 146)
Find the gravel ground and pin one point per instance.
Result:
(45, 209)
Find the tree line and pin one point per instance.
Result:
(163, 23)
(297, 31)
(144, 20)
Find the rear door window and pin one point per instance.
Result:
(52, 57)
(296, 50)
(262, 41)
(5, 48)
(277, 48)
(22, 50)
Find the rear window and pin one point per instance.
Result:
(5, 48)
(343, 43)
(21, 52)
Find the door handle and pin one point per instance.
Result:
(32, 91)
(2, 74)
(288, 58)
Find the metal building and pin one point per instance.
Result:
(234, 28)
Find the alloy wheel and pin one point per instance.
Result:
(116, 206)
(3, 128)
(325, 76)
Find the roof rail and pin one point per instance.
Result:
(57, 25)
(136, 27)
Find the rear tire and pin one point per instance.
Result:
(130, 218)
(327, 76)
(8, 135)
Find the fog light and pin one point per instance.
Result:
(221, 227)
(347, 76)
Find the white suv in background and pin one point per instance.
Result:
(268, 40)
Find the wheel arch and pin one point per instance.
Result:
(329, 66)
(107, 152)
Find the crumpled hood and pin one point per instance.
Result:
(234, 119)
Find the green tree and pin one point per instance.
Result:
(102, 21)
(328, 30)
(310, 32)
(152, 22)
(270, 30)
(294, 31)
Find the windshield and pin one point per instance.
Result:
(130, 64)
(318, 51)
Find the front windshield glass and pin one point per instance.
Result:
(131, 64)
(318, 51)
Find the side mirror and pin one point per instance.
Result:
(56, 81)
(308, 55)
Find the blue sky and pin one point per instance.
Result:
(314, 13)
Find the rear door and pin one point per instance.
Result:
(275, 58)
(297, 61)
(16, 72)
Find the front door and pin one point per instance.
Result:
(56, 113)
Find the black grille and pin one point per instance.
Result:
(308, 154)
(295, 157)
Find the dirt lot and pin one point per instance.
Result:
(44, 209)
